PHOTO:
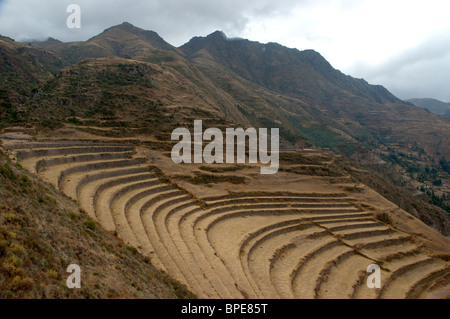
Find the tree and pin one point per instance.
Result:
(444, 164)
(437, 182)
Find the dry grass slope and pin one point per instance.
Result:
(238, 245)
(42, 232)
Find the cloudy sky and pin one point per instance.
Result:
(401, 44)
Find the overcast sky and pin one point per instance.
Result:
(401, 44)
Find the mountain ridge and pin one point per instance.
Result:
(218, 41)
(267, 85)
(106, 47)
(122, 40)
(129, 85)
(433, 105)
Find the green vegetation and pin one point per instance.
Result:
(132, 249)
(158, 57)
(386, 181)
(209, 179)
(444, 164)
(430, 197)
(298, 158)
(286, 133)
(50, 123)
(9, 113)
(91, 225)
(415, 166)
(322, 136)
(220, 169)
(313, 171)
(384, 217)
(7, 172)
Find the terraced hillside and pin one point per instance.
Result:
(296, 241)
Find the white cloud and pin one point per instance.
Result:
(420, 71)
(176, 20)
(380, 40)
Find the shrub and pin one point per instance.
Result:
(24, 181)
(21, 283)
(163, 179)
(50, 200)
(12, 218)
(11, 265)
(384, 217)
(221, 169)
(131, 249)
(91, 225)
(7, 172)
(207, 179)
(3, 247)
(112, 293)
(53, 274)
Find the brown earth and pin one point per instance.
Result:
(288, 235)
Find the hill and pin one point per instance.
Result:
(266, 84)
(124, 40)
(309, 231)
(433, 105)
(322, 100)
(42, 232)
(289, 71)
(130, 81)
(23, 68)
(363, 175)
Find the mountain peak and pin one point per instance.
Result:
(219, 35)
(129, 35)
(125, 26)
(129, 28)
(122, 40)
(50, 39)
